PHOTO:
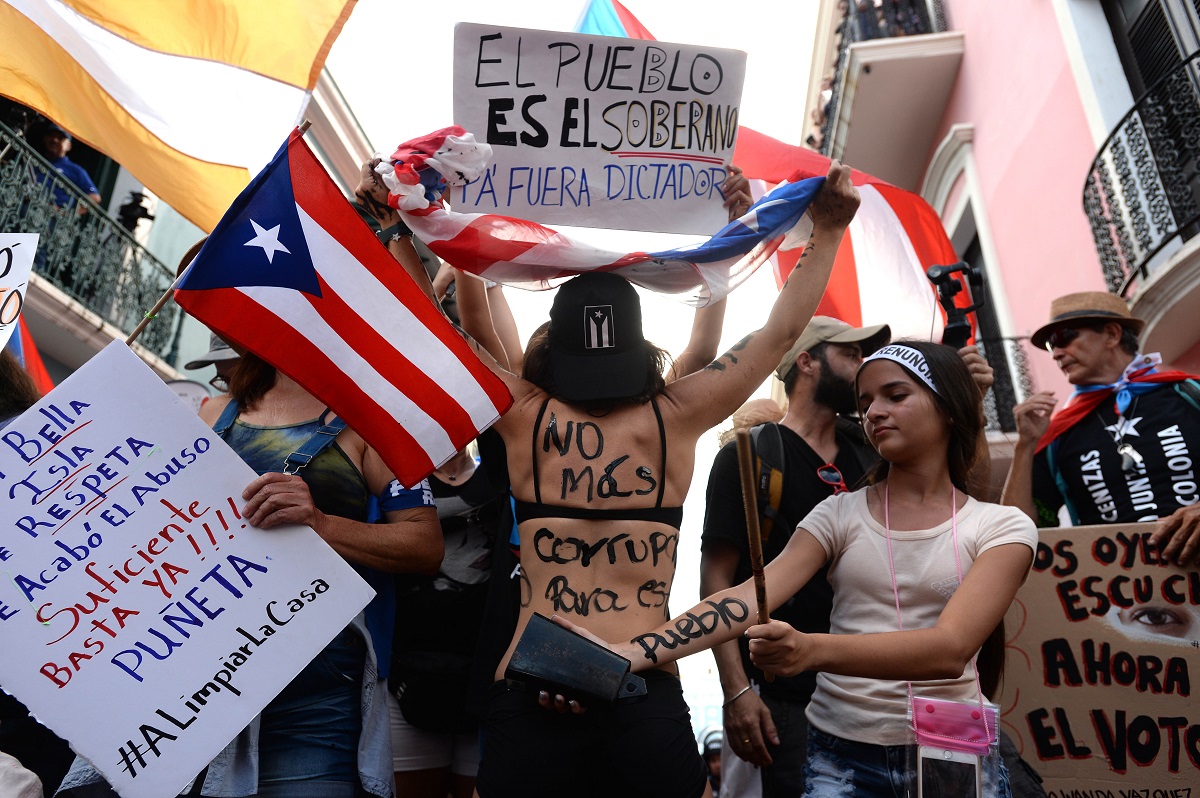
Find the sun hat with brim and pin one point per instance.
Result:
(218, 351)
(1087, 307)
(826, 329)
(596, 346)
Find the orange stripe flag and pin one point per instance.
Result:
(191, 96)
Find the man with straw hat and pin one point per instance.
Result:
(1123, 448)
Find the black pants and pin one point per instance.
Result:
(644, 749)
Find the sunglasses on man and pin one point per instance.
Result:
(830, 475)
(1063, 336)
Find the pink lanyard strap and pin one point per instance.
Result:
(887, 530)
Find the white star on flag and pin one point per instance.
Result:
(1128, 427)
(268, 240)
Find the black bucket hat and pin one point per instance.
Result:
(596, 346)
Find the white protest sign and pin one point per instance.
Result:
(16, 261)
(597, 131)
(132, 589)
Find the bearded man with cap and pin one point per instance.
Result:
(821, 451)
(1124, 447)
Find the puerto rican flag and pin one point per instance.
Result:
(530, 255)
(879, 276)
(293, 274)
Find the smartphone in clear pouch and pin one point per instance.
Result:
(943, 773)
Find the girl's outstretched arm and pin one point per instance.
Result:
(722, 616)
(939, 652)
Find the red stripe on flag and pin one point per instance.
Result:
(390, 364)
(225, 311)
(33, 359)
(841, 299)
(761, 157)
(464, 250)
(921, 223)
(928, 237)
(324, 203)
(633, 28)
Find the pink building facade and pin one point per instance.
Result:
(1059, 141)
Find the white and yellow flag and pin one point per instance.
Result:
(191, 96)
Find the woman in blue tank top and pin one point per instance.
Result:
(326, 734)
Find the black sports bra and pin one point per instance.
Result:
(671, 516)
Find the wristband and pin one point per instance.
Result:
(398, 230)
(736, 696)
(398, 497)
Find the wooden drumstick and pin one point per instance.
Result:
(750, 502)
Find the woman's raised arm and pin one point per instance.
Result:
(703, 399)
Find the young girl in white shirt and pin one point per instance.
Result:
(895, 548)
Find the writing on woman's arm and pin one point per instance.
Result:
(694, 626)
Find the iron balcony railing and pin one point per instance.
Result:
(82, 251)
(1141, 192)
(867, 20)
(1013, 380)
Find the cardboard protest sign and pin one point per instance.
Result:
(1103, 641)
(141, 618)
(16, 261)
(597, 131)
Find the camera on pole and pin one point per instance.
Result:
(945, 279)
(133, 210)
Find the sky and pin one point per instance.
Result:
(393, 64)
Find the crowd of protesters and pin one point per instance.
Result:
(882, 466)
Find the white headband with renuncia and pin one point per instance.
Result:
(911, 359)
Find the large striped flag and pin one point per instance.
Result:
(531, 255)
(191, 96)
(293, 274)
(879, 276)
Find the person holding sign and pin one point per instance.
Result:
(921, 574)
(327, 733)
(329, 727)
(601, 453)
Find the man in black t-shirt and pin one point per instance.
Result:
(822, 453)
(1126, 446)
